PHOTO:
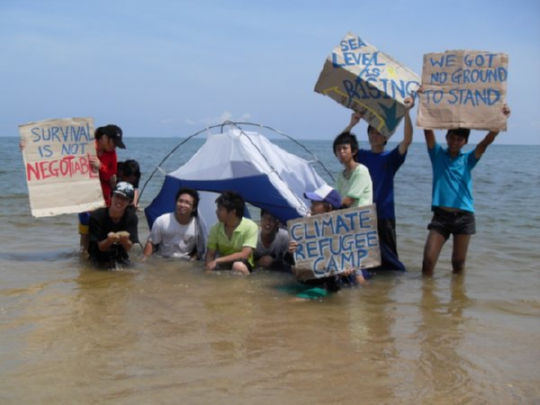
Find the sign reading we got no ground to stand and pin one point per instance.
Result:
(58, 172)
(463, 89)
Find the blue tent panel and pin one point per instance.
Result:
(257, 190)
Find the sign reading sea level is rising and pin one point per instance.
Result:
(364, 79)
(58, 173)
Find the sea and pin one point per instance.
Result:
(165, 332)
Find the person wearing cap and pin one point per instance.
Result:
(113, 229)
(323, 200)
(107, 139)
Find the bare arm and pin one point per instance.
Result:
(408, 129)
(211, 262)
(148, 250)
(105, 244)
(490, 137)
(355, 119)
(348, 201)
(430, 138)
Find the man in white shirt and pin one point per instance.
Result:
(178, 234)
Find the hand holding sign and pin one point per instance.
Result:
(463, 89)
(57, 156)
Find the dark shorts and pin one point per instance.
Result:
(228, 265)
(455, 223)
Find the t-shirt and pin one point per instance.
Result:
(244, 235)
(452, 180)
(277, 248)
(357, 186)
(100, 226)
(382, 168)
(106, 171)
(174, 239)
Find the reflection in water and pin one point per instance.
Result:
(442, 366)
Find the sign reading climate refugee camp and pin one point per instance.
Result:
(359, 76)
(463, 89)
(58, 172)
(333, 242)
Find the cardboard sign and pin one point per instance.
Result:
(333, 242)
(58, 172)
(364, 79)
(463, 89)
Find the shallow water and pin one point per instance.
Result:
(165, 332)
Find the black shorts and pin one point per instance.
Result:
(455, 223)
(228, 265)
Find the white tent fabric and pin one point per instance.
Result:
(246, 162)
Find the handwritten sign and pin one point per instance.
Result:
(362, 78)
(463, 89)
(333, 242)
(58, 172)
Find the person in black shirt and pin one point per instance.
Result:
(113, 230)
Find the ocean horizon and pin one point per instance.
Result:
(164, 331)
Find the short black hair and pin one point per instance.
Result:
(231, 200)
(129, 168)
(110, 130)
(193, 193)
(463, 132)
(346, 138)
(372, 128)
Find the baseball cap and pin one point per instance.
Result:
(124, 189)
(327, 194)
(113, 132)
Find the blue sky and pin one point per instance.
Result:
(170, 68)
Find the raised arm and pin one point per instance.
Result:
(490, 137)
(408, 129)
(430, 138)
(355, 119)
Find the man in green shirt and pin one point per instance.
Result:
(233, 238)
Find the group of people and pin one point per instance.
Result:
(236, 242)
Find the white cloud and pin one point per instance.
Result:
(224, 116)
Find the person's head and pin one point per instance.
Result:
(457, 138)
(187, 202)
(229, 203)
(324, 199)
(109, 137)
(122, 196)
(345, 146)
(269, 223)
(129, 171)
(375, 137)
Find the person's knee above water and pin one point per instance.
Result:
(232, 240)
(452, 198)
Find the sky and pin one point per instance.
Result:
(170, 68)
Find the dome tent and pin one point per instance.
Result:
(246, 162)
